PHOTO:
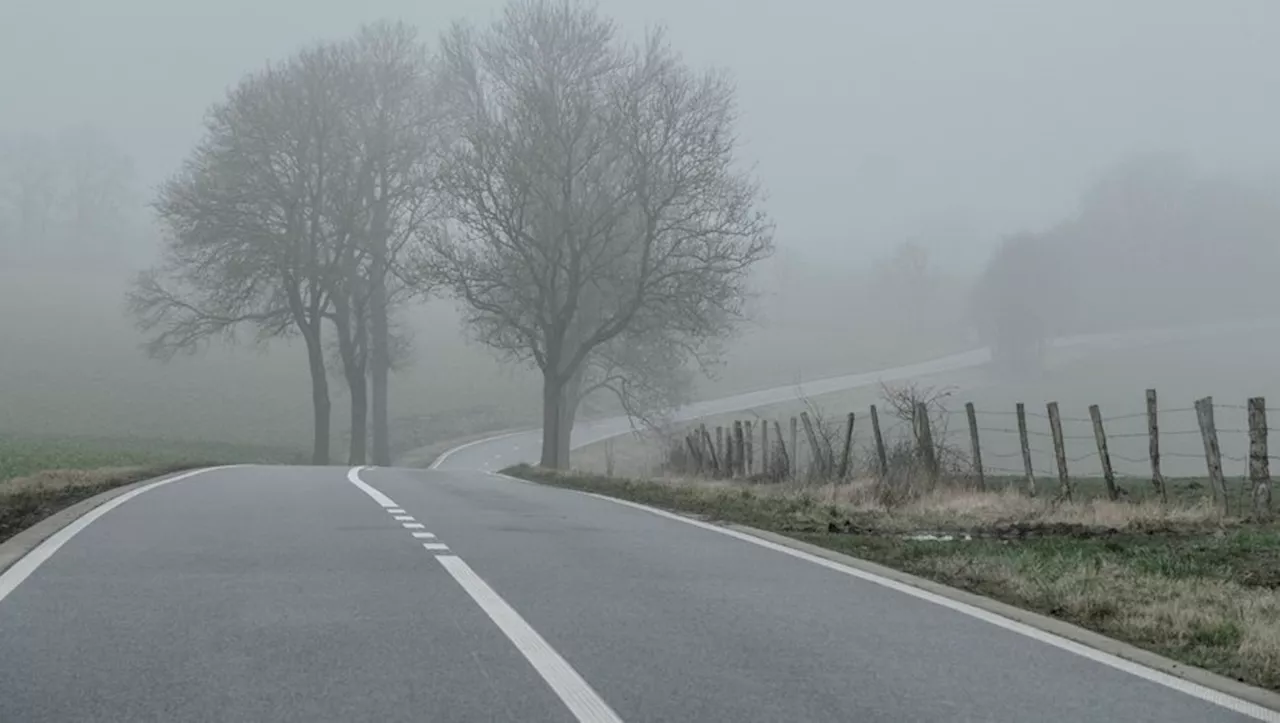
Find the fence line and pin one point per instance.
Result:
(836, 448)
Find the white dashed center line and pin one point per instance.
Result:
(577, 695)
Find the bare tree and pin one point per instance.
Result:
(593, 194)
(399, 136)
(249, 237)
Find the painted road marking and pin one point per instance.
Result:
(449, 453)
(1195, 690)
(395, 510)
(585, 704)
(413, 525)
(353, 475)
(29, 562)
(582, 701)
(404, 518)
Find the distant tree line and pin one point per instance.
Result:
(1154, 242)
(68, 199)
(578, 195)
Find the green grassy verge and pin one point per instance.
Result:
(1178, 580)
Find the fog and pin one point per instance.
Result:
(1131, 146)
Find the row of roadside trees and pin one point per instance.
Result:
(579, 195)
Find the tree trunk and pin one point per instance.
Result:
(319, 397)
(357, 453)
(570, 396)
(553, 454)
(379, 343)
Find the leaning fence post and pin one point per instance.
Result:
(785, 458)
(848, 448)
(764, 447)
(972, 414)
(1025, 443)
(1212, 452)
(1059, 449)
(1100, 436)
(795, 449)
(1153, 448)
(693, 454)
(817, 453)
(714, 458)
(882, 460)
(924, 439)
(739, 449)
(721, 452)
(1259, 462)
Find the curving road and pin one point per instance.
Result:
(327, 594)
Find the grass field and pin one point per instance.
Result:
(39, 476)
(1179, 579)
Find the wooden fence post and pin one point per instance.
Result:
(693, 454)
(882, 460)
(817, 453)
(1059, 450)
(1100, 436)
(764, 447)
(848, 449)
(924, 440)
(750, 455)
(972, 414)
(1153, 447)
(721, 451)
(738, 449)
(1259, 462)
(1025, 443)
(1212, 452)
(712, 457)
(795, 449)
(785, 459)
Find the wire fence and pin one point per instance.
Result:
(1167, 451)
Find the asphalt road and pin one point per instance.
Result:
(326, 594)
(295, 594)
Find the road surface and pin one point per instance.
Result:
(326, 594)
(322, 594)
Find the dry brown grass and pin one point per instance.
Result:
(1215, 623)
(956, 507)
(65, 479)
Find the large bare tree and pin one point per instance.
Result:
(249, 237)
(594, 196)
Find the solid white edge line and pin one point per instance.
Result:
(450, 452)
(583, 702)
(1194, 690)
(1181, 685)
(353, 476)
(30, 562)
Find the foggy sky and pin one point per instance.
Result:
(947, 121)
